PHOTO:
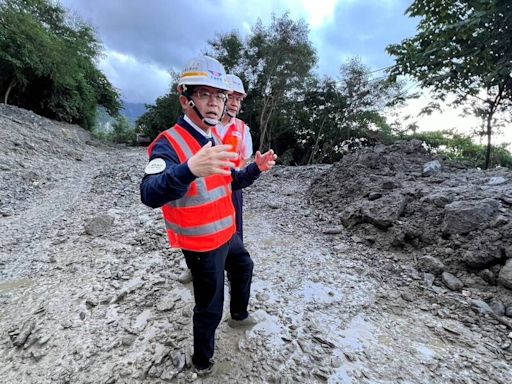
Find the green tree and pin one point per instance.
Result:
(162, 114)
(351, 106)
(462, 48)
(47, 63)
(122, 132)
(274, 62)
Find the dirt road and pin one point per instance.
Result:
(89, 294)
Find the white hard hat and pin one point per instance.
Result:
(204, 70)
(236, 84)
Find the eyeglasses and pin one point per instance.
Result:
(235, 98)
(205, 95)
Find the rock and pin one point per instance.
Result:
(461, 217)
(430, 264)
(497, 306)
(451, 281)
(497, 180)
(99, 225)
(439, 199)
(128, 340)
(428, 278)
(488, 276)
(481, 306)
(390, 184)
(374, 196)
(479, 259)
(178, 360)
(333, 230)
(24, 333)
(500, 221)
(165, 304)
(156, 371)
(505, 275)
(384, 212)
(431, 168)
(351, 216)
(506, 198)
(507, 250)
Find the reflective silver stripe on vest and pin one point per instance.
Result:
(201, 230)
(203, 196)
(199, 199)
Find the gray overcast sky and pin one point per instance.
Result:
(144, 39)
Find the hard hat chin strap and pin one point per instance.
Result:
(206, 120)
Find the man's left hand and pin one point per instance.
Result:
(265, 161)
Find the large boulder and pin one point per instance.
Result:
(482, 258)
(462, 217)
(384, 211)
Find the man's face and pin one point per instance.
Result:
(234, 103)
(209, 101)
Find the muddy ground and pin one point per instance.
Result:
(89, 290)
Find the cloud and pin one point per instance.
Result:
(364, 28)
(137, 81)
(160, 35)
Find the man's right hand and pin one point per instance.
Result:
(212, 160)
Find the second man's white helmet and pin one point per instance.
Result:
(236, 84)
(204, 70)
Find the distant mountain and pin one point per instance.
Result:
(132, 111)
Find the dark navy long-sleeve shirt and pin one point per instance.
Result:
(173, 182)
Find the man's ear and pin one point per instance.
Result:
(183, 102)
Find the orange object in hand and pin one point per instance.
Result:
(231, 140)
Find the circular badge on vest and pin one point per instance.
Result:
(155, 166)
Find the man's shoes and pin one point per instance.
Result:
(249, 321)
(210, 370)
(185, 277)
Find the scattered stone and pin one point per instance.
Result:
(481, 306)
(166, 304)
(497, 180)
(23, 334)
(451, 281)
(430, 264)
(497, 306)
(505, 275)
(461, 217)
(333, 230)
(99, 225)
(431, 168)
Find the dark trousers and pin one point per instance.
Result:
(208, 278)
(238, 202)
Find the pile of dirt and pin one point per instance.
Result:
(454, 220)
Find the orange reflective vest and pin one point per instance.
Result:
(204, 218)
(235, 136)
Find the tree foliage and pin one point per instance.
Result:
(455, 146)
(288, 107)
(462, 48)
(162, 114)
(47, 63)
